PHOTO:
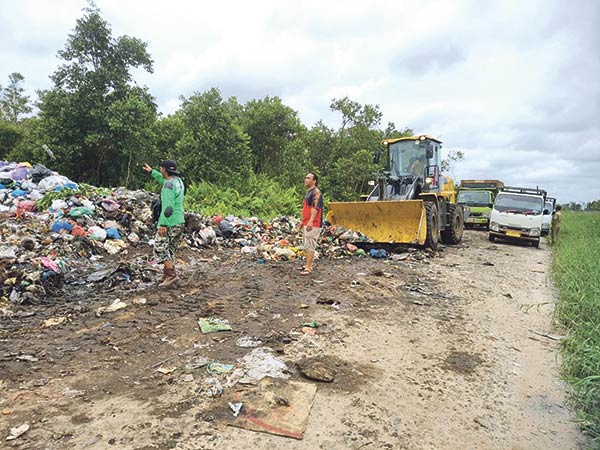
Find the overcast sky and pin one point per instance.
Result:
(513, 84)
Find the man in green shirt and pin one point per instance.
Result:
(171, 221)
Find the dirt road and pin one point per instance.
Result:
(446, 350)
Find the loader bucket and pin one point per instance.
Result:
(401, 221)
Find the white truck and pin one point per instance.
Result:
(517, 214)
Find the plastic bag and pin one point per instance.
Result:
(112, 233)
(97, 233)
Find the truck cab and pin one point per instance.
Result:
(477, 197)
(517, 215)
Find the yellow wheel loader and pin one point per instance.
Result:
(411, 203)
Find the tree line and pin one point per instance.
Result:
(97, 125)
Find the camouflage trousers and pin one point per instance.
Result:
(166, 246)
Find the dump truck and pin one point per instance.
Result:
(477, 198)
(411, 202)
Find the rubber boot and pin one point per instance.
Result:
(164, 275)
(170, 279)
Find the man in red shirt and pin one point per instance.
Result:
(312, 218)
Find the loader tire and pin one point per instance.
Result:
(433, 225)
(453, 232)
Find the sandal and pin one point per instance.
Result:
(306, 272)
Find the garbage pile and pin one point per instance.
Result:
(51, 227)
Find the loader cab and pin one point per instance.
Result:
(416, 157)
(413, 169)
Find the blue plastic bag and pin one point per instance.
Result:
(60, 225)
(112, 233)
(378, 253)
(18, 193)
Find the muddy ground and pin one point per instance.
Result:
(447, 350)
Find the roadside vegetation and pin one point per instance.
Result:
(576, 269)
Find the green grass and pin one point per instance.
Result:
(576, 269)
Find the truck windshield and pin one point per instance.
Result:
(519, 204)
(407, 158)
(474, 198)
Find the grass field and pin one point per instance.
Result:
(576, 270)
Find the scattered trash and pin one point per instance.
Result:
(236, 408)
(54, 321)
(256, 365)
(316, 369)
(216, 368)
(188, 377)
(16, 432)
(378, 253)
(211, 325)
(29, 358)
(215, 389)
(198, 362)
(116, 305)
(166, 370)
(248, 342)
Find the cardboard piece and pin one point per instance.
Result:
(280, 408)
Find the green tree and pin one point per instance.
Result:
(593, 206)
(319, 142)
(168, 131)
(13, 102)
(348, 164)
(452, 157)
(573, 206)
(272, 128)
(349, 175)
(30, 146)
(213, 147)
(10, 136)
(95, 118)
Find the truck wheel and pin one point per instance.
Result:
(536, 244)
(453, 232)
(491, 237)
(433, 225)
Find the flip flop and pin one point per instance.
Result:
(306, 272)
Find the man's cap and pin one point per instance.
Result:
(170, 166)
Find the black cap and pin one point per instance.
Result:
(170, 166)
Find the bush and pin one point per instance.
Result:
(261, 197)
